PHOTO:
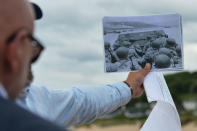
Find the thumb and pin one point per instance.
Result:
(146, 69)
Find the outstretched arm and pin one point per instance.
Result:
(79, 105)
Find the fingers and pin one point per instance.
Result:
(146, 69)
(138, 92)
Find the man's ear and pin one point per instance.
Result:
(14, 51)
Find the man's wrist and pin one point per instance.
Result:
(128, 86)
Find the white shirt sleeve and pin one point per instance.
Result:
(77, 105)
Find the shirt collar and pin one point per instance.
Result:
(3, 92)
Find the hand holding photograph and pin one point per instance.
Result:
(131, 42)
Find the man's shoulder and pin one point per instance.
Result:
(14, 117)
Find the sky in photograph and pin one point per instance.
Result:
(71, 31)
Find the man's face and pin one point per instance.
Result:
(36, 49)
(19, 49)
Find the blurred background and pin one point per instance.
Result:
(72, 33)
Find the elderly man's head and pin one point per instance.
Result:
(16, 48)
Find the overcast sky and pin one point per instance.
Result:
(71, 30)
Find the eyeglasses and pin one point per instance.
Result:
(37, 46)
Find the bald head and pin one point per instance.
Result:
(15, 14)
(16, 25)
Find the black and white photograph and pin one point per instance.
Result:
(131, 42)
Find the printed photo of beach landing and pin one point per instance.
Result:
(131, 42)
